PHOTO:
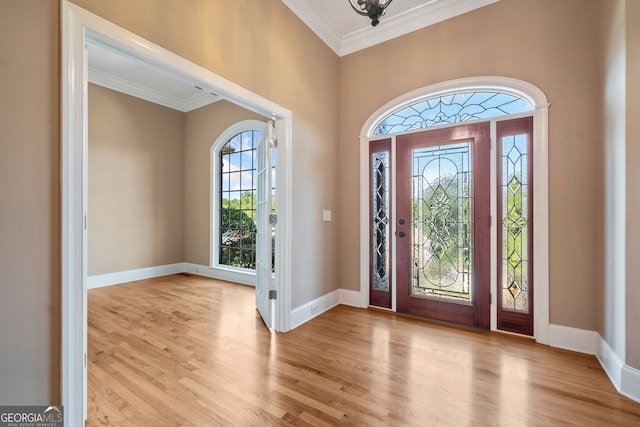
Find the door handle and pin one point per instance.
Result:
(401, 234)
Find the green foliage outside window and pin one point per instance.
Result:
(445, 218)
(238, 226)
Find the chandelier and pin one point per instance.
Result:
(374, 9)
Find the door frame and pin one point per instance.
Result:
(538, 100)
(75, 23)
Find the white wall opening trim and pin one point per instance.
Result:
(76, 24)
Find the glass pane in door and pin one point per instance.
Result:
(381, 227)
(442, 222)
(515, 225)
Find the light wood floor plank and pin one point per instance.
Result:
(188, 351)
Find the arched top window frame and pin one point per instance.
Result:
(225, 272)
(233, 130)
(527, 92)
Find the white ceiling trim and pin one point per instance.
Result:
(199, 100)
(407, 22)
(118, 84)
(391, 27)
(308, 13)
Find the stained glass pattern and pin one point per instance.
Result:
(449, 109)
(380, 210)
(515, 230)
(442, 220)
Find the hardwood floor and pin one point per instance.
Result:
(190, 351)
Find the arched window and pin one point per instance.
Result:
(457, 107)
(233, 200)
(237, 200)
(233, 207)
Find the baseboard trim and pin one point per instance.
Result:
(350, 298)
(314, 308)
(574, 339)
(235, 276)
(117, 278)
(624, 378)
(610, 362)
(630, 383)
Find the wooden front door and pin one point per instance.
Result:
(443, 224)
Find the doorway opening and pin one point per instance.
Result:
(77, 24)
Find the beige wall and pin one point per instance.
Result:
(149, 180)
(264, 47)
(551, 44)
(30, 203)
(633, 179)
(202, 127)
(136, 183)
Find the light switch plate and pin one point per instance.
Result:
(326, 215)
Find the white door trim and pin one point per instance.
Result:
(535, 97)
(75, 23)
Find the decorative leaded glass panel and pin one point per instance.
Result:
(442, 220)
(450, 109)
(515, 230)
(381, 227)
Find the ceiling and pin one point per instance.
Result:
(115, 67)
(345, 32)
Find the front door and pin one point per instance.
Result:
(443, 224)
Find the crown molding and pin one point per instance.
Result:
(414, 19)
(199, 100)
(311, 16)
(118, 84)
(429, 13)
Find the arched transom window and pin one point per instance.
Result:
(451, 108)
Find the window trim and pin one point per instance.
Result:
(540, 112)
(241, 275)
